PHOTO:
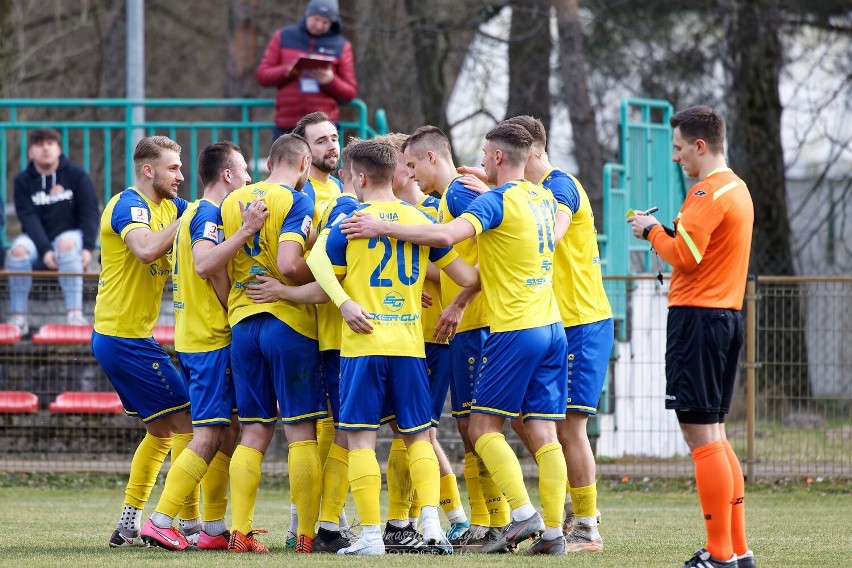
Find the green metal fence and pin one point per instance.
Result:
(100, 134)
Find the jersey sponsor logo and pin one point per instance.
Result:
(393, 301)
(211, 231)
(139, 215)
(306, 224)
(392, 318)
(546, 265)
(700, 193)
(157, 270)
(388, 216)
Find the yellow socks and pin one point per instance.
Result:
(585, 500)
(305, 484)
(187, 471)
(335, 484)
(499, 512)
(450, 498)
(552, 481)
(425, 473)
(214, 486)
(399, 481)
(190, 508)
(504, 467)
(478, 511)
(146, 464)
(365, 480)
(245, 479)
(325, 437)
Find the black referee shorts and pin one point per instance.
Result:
(702, 355)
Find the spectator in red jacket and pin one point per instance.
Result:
(305, 90)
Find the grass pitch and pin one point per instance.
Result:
(791, 526)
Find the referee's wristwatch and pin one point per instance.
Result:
(648, 230)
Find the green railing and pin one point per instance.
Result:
(100, 134)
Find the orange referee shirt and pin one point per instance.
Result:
(710, 251)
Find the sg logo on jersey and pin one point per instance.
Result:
(393, 301)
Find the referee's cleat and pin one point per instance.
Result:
(746, 560)
(330, 541)
(514, 533)
(123, 538)
(554, 546)
(403, 540)
(702, 559)
(246, 542)
(169, 538)
(456, 530)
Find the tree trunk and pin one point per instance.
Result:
(587, 148)
(755, 57)
(242, 52)
(529, 60)
(428, 62)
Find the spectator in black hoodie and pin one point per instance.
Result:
(56, 204)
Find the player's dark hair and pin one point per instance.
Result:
(288, 150)
(39, 135)
(151, 148)
(214, 159)
(701, 122)
(376, 159)
(428, 138)
(513, 140)
(307, 120)
(532, 125)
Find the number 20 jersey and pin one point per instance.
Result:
(385, 276)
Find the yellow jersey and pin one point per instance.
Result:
(329, 321)
(322, 194)
(385, 276)
(130, 292)
(430, 206)
(577, 277)
(290, 218)
(453, 203)
(515, 224)
(201, 323)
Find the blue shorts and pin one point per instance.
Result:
(523, 372)
(589, 350)
(331, 378)
(211, 391)
(369, 385)
(142, 374)
(438, 368)
(465, 354)
(273, 364)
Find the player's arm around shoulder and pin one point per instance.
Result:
(209, 254)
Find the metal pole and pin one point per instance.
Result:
(136, 65)
(751, 355)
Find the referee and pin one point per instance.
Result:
(709, 254)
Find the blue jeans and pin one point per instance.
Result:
(71, 261)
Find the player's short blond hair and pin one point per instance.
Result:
(150, 149)
(428, 138)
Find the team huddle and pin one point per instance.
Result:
(338, 306)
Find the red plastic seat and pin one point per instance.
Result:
(18, 402)
(164, 334)
(9, 333)
(87, 403)
(63, 334)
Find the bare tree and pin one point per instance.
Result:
(530, 46)
(575, 90)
